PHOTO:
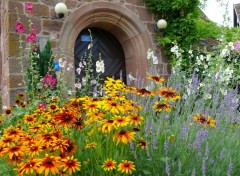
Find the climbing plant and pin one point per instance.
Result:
(182, 17)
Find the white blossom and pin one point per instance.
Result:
(78, 85)
(131, 78)
(100, 66)
(207, 96)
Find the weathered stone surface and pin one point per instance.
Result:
(144, 14)
(13, 40)
(15, 81)
(136, 2)
(71, 4)
(52, 25)
(13, 5)
(15, 65)
(48, 2)
(40, 10)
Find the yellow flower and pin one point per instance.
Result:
(157, 79)
(203, 120)
(49, 164)
(124, 136)
(161, 106)
(70, 164)
(109, 164)
(91, 145)
(168, 94)
(126, 166)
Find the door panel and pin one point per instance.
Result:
(106, 44)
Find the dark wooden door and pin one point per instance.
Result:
(111, 53)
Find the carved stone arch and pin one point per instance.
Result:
(129, 30)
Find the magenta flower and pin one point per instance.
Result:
(34, 29)
(35, 48)
(31, 38)
(19, 27)
(42, 105)
(237, 45)
(49, 80)
(29, 7)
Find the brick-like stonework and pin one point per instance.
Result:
(128, 20)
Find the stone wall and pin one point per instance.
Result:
(128, 20)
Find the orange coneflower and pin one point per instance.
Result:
(115, 84)
(157, 79)
(142, 143)
(161, 106)
(70, 164)
(169, 94)
(34, 149)
(121, 121)
(126, 166)
(71, 148)
(91, 145)
(29, 166)
(109, 164)
(14, 150)
(78, 123)
(35, 129)
(135, 120)
(53, 107)
(136, 129)
(65, 117)
(30, 119)
(114, 107)
(124, 136)
(8, 111)
(203, 120)
(49, 164)
(11, 131)
(144, 92)
(95, 115)
(61, 144)
(107, 126)
(91, 107)
(16, 159)
(47, 139)
(6, 141)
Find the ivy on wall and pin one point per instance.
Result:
(187, 25)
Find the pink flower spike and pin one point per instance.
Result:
(34, 29)
(237, 45)
(29, 7)
(42, 105)
(31, 38)
(19, 27)
(35, 48)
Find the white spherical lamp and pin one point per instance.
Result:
(60, 10)
(161, 24)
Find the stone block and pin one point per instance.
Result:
(71, 4)
(13, 5)
(136, 2)
(52, 25)
(144, 14)
(15, 65)
(15, 81)
(13, 40)
(40, 10)
(48, 2)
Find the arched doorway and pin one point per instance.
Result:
(108, 46)
(121, 22)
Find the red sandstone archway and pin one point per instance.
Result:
(121, 22)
